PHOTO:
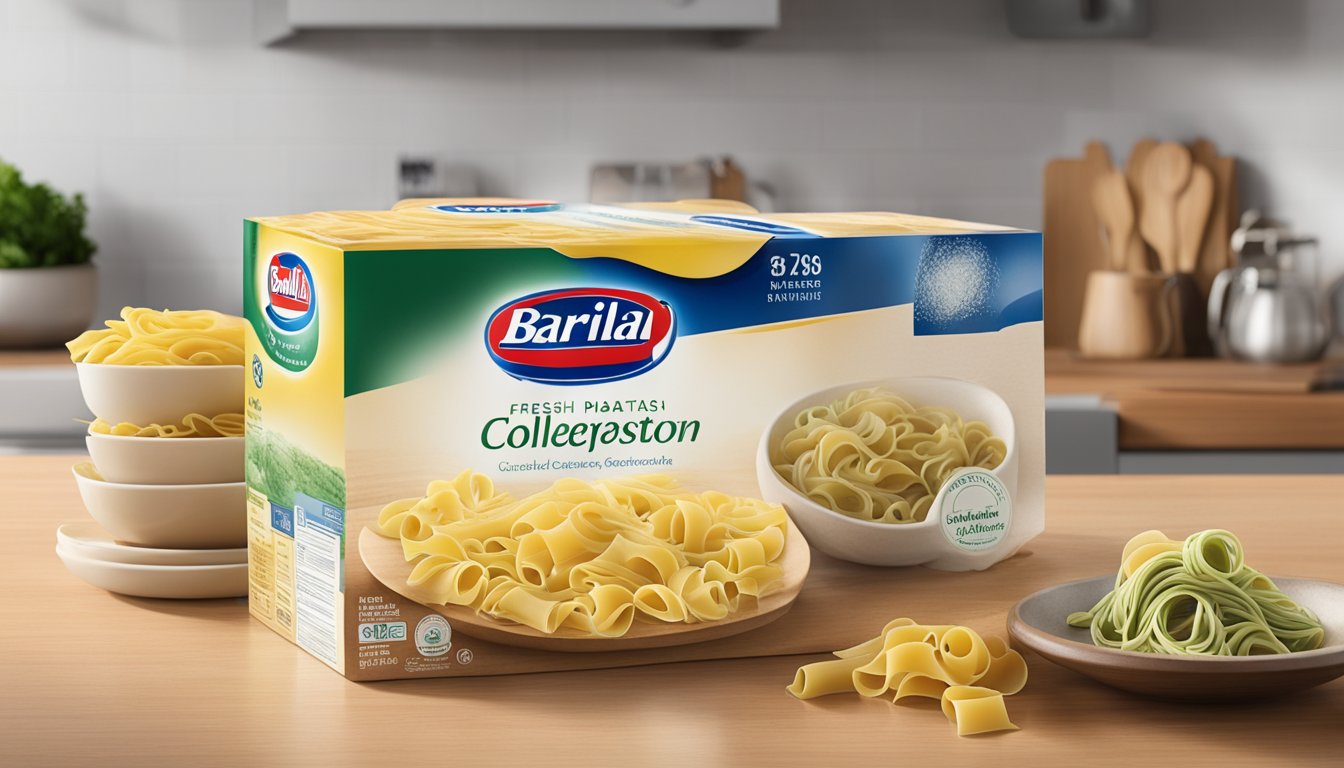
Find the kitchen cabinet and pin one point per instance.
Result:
(159, 682)
(278, 19)
(39, 400)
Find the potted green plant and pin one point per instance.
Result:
(48, 286)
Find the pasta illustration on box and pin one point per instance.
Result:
(496, 436)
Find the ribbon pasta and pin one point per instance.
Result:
(193, 425)
(150, 337)
(967, 673)
(588, 557)
(874, 456)
(1197, 598)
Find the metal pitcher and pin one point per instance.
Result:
(1266, 308)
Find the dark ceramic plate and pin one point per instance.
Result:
(1038, 623)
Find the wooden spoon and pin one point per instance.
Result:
(1140, 261)
(1097, 158)
(1115, 210)
(1138, 157)
(1192, 218)
(1166, 173)
(1215, 256)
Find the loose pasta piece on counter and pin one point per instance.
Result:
(869, 648)
(1007, 671)
(967, 673)
(976, 710)
(919, 686)
(823, 678)
(589, 557)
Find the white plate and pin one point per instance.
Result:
(212, 516)
(167, 460)
(171, 581)
(160, 394)
(87, 540)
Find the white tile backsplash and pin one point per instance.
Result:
(176, 124)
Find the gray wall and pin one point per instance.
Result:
(177, 125)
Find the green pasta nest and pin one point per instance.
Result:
(1197, 598)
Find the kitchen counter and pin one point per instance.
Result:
(1210, 404)
(90, 677)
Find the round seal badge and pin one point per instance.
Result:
(976, 510)
(433, 636)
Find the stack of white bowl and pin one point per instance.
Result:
(170, 511)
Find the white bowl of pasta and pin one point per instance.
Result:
(159, 394)
(201, 516)
(867, 470)
(167, 460)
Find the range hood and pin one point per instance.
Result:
(278, 19)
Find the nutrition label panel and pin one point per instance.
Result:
(270, 543)
(318, 586)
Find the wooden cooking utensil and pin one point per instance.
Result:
(1138, 157)
(1097, 156)
(1070, 240)
(1192, 218)
(1216, 254)
(727, 181)
(1166, 173)
(1140, 259)
(1115, 209)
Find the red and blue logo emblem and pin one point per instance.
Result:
(502, 206)
(291, 304)
(580, 335)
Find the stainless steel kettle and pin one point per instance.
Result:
(1266, 308)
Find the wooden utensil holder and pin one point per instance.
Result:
(1127, 316)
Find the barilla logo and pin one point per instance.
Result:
(291, 304)
(580, 335)
(510, 206)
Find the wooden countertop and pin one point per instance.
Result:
(1210, 404)
(92, 678)
(34, 358)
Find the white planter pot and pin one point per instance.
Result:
(46, 306)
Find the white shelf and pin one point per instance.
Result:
(278, 19)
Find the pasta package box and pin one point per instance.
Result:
(500, 436)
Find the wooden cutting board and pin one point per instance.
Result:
(1071, 238)
(383, 557)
